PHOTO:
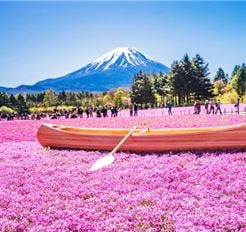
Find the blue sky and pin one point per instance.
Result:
(39, 40)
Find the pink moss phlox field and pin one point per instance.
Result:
(26, 130)
(52, 190)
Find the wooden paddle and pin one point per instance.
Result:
(109, 159)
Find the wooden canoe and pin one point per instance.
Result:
(153, 140)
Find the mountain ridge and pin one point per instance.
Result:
(111, 70)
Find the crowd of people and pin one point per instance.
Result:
(76, 112)
(88, 112)
(211, 106)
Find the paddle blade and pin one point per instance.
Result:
(102, 162)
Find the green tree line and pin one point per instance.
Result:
(187, 80)
(26, 103)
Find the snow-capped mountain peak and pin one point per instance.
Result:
(132, 56)
(112, 70)
(122, 57)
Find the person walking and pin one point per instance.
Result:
(197, 107)
(80, 112)
(206, 106)
(135, 109)
(105, 111)
(87, 111)
(217, 105)
(98, 112)
(211, 103)
(91, 111)
(131, 110)
(169, 106)
(237, 105)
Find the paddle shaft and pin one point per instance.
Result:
(123, 140)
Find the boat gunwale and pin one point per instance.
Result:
(141, 132)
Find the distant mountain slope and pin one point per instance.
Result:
(112, 70)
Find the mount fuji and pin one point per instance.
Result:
(112, 70)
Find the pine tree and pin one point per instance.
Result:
(142, 90)
(241, 81)
(40, 97)
(182, 80)
(12, 101)
(21, 105)
(220, 75)
(62, 96)
(160, 85)
(189, 79)
(189, 82)
(4, 99)
(50, 98)
(177, 82)
(236, 68)
(202, 87)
